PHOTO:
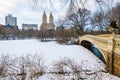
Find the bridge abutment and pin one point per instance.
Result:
(109, 47)
(117, 65)
(113, 64)
(109, 63)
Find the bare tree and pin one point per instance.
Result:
(60, 28)
(78, 20)
(43, 35)
(36, 66)
(115, 13)
(1, 31)
(101, 21)
(68, 69)
(71, 3)
(4, 65)
(21, 68)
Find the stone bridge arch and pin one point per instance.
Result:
(90, 45)
(109, 46)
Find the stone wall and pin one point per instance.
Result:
(117, 65)
(112, 63)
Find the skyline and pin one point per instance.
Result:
(24, 13)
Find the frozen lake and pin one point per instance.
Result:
(52, 52)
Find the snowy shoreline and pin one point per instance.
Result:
(53, 52)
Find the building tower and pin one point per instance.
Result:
(51, 24)
(44, 18)
(51, 21)
(43, 26)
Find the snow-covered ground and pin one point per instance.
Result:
(53, 52)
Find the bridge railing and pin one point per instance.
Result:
(117, 36)
(103, 42)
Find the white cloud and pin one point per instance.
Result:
(29, 13)
(7, 5)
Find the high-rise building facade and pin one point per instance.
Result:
(30, 26)
(10, 20)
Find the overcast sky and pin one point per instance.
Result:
(25, 14)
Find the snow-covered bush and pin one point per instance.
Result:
(21, 68)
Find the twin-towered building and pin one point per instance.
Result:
(47, 25)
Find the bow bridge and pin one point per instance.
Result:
(106, 47)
